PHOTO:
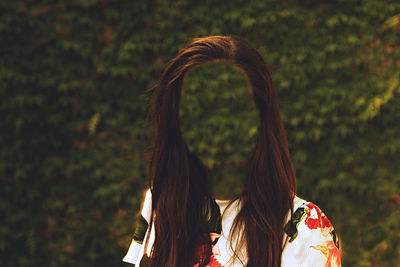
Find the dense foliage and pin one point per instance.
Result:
(74, 132)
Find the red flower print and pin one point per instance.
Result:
(317, 219)
(331, 252)
(215, 253)
(325, 221)
(214, 262)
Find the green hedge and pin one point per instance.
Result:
(74, 132)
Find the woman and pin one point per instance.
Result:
(266, 225)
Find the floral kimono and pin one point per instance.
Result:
(311, 239)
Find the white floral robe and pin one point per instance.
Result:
(311, 238)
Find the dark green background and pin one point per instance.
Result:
(74, 134)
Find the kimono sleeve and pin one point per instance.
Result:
(140, 231)
(312, 241)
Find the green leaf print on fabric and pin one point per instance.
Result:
(140, 230)
(335, 239)
(212, 216)
(291, 227)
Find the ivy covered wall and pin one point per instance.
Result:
(74, 133)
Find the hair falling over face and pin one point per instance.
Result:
(178, 178)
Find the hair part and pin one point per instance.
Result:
(178, 178)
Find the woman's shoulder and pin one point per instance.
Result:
(311, 237)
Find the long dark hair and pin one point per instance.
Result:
(178, 179)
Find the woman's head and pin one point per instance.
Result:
(179, 179)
